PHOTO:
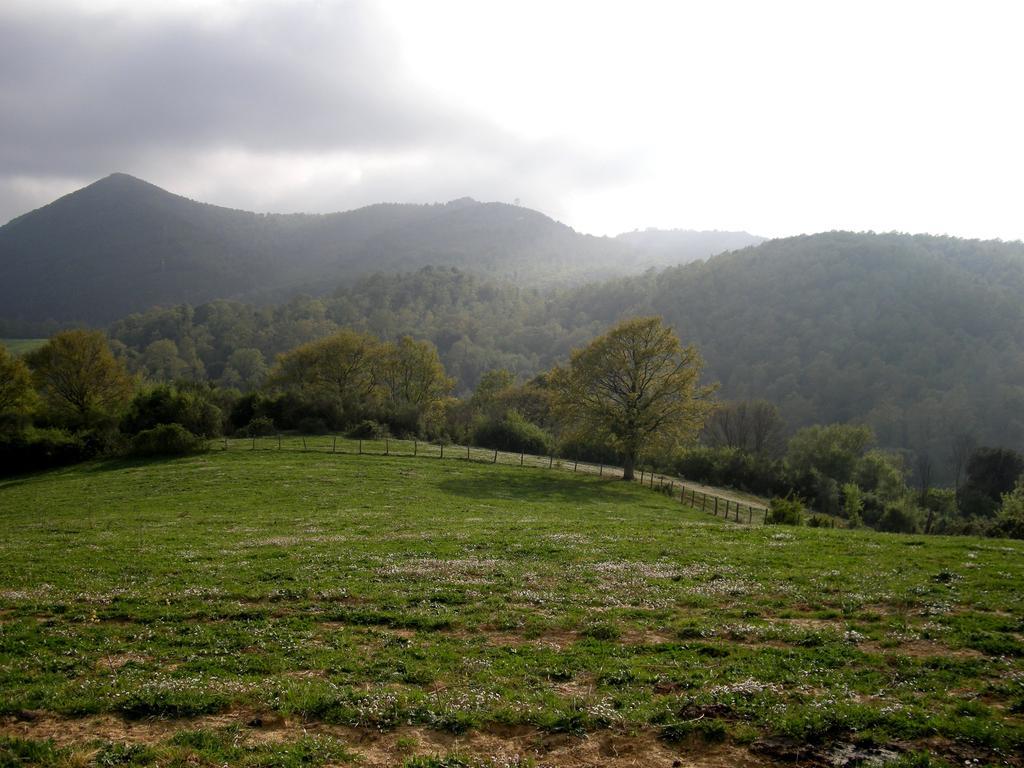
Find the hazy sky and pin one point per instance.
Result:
(775, 117)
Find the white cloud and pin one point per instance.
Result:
(777, 117)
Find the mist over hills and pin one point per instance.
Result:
(121, 245)
(920, 337)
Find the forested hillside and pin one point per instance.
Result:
(122, 245)
(920, 337)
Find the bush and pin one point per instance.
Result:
(166, 440)
(788, 511)
(32, 450)
(732, 468)
(513, 433)
(311, 425)
(165, 404)
(368, 429)
(287, 411)
(902, 517)
(589, 448)
(260, 426)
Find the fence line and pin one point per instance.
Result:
(676, 488)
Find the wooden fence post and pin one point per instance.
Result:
(641, 477)
(600, 472)
(279, 442)
(442, 450)
(254, 442)
(551, 461)
(334, 444)
(387, 447)
(303, 443)
(522, 456)
(495, 457)
(574, 465)
(467, 452)
(415, 447)
(716, 506)
(360, 446)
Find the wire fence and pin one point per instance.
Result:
(692, 494)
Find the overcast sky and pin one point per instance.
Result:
(774, 117)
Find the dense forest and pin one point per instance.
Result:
(122, 245)
(921, 338)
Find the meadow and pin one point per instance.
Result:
(262, 607)
(20, 347)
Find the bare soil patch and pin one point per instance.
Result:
(375, 749)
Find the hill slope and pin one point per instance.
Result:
(921, 337)
(343, 603)
(122, 245)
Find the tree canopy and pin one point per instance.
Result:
(15, 382)
(637, 385)
(78, 376)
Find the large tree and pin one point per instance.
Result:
(338, 368)
(637, 386)
(79, 377)
(413, 382)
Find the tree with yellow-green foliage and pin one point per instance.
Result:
(412, 381)
(338, 368)
(15, 383)
(637, 386)
(404, 382)
(79, 378)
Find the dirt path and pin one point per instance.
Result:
(504, 744)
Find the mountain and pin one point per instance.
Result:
(920, 337)
(681, 246)
(122, 245)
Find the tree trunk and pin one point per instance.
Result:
(627, 467)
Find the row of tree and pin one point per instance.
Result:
(917, 337)
(633, 395)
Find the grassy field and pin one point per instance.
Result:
(287, 608)
(22, 346)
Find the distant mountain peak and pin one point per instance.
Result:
(122, 180)
(462, 202)
(122, 245)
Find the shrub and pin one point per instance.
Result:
(368, 429)
(732, 468)
(311, 425)
(787, 511)
(31, 450)
(166, 440)
(259, 426)
(513, 433)
(165, 404)
(901, 517)
(589, 448)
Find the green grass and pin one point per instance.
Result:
(19, 347)
(346, 595)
